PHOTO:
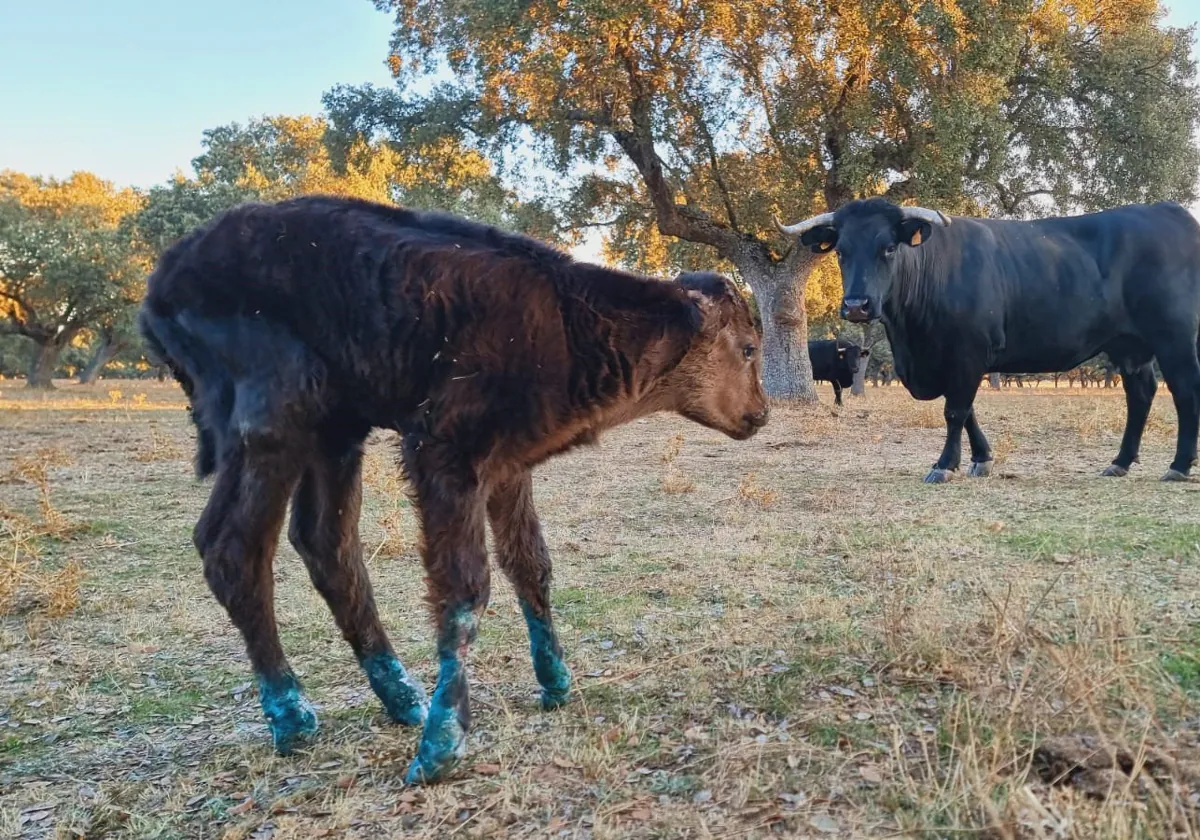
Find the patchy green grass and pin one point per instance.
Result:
(791, 636)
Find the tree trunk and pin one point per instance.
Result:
(994, 380)
(103, 355)
(779, 290)
(859, 387)
(42, 363)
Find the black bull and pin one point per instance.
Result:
(836, 362)
(963, 297)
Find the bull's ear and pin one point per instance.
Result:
(913, 231)
(820, 239)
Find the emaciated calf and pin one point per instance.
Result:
(295, 328)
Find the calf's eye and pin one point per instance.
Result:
(748, 351)
(889, 250)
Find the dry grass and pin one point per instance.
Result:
(809, 642)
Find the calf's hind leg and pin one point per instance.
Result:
(324, 532)
(522, 554)
(236, 536)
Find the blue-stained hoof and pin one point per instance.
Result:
(1115, 471)
(1173, 475)
(403, 697)
(556, 698)
(555, 679)
(552, 672)
(443, 746)
(937, 476)
(290, 717)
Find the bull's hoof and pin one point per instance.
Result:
(939, 476)
(1115, 471)
(1174, 475)
(443, 746)
(402, 696)
(290, 717)
(980, 469)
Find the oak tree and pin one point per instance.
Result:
(695, 121)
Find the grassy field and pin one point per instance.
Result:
(791, 636)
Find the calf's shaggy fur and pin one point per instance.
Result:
(296, 328)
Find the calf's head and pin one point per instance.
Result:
(718, 383)
(867, 237)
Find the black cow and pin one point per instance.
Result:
(966, 297)
(836, 362)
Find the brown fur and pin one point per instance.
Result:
(298, 327)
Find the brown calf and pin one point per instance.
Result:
(296, 328)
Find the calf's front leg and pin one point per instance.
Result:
(522, 553)
(451, 508)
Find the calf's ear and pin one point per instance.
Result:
(820, 239)
(708, 310)
(913, 231)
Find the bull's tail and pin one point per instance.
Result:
(206, 384)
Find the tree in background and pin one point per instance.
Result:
(65, 263)
(281, 157)
(684, 125)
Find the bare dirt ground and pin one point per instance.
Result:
(791, 636)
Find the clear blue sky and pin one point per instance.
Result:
(125, 88)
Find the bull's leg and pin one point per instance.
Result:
(522, 554)
(1140, 387)
(956, 412)
(236, 536)
(1181, 369)
(981, 450)
(451, 504)
(837, 393)
(324, 532)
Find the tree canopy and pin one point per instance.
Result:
(685, 123)
(66, 263)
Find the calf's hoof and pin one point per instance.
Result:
(556, 697)
(980, 469)
(1174, 475)
(939, 476)
(443, 746)
(555, 678)
(402, 696)
(290, 717)
(1115, 471)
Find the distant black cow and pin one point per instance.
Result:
(1042, 296)
(836, 362)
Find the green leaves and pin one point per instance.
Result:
(62, 271)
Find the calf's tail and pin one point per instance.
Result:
(206, 385)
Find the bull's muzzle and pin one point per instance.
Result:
(857, 310)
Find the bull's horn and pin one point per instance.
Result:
(802, 227)
(934, 217)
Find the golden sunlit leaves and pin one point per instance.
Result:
(82, 190)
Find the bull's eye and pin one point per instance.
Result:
(748, 351)
(889, 250)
